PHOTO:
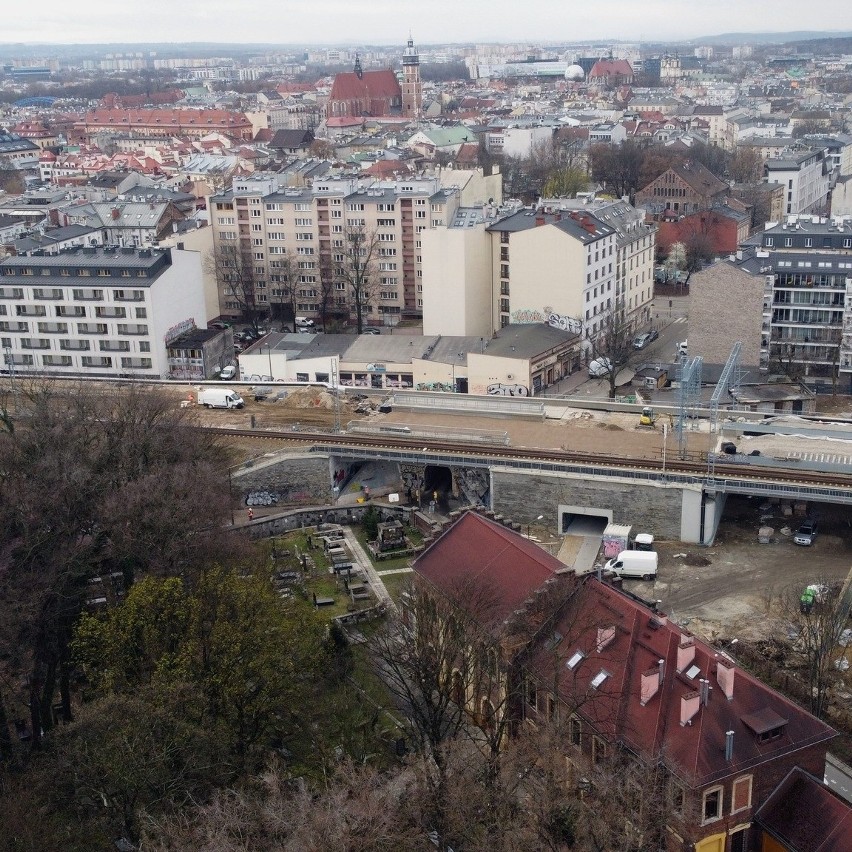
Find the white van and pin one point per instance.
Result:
(634, 563)
(220, 398)
(304, 322)
(600, 367)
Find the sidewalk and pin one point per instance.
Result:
(363, 561)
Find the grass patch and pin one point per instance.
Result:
(396, 584)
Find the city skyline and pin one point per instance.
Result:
(390, 21)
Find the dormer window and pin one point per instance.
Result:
(766, 724)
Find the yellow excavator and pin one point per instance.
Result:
(648, 417)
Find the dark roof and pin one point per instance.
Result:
(194, 339)
(580, 225)
(804, 815)
(528, 340)
(288, 138)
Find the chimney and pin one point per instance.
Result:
(651, 682)
(605, 637)
(729, 745)
(685, 652)
(649, 685)
(725, 678)
(704, 690)
(690, 703)
(539, 220)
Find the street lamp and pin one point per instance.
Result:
(530, 525)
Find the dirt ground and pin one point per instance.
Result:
(737, 595)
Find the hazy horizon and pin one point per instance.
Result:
(387, 22)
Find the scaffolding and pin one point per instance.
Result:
(689, 379)
(730, 378)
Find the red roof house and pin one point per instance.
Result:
(631, 682)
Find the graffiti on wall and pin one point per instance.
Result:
(550, 317)
(499, 389)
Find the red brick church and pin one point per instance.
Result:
(357, 93)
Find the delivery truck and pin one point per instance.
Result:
(220, 398)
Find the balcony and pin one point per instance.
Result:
(11, 292)
(53, 328)
(132, 328)
(75, 345)
(35, 343)
(114, 345)
(56, 360)
(91, 328)
(136, 363)
(96, 361)
(129, 295)
(30, 311)
(52, 293)
(88, 295)
(14, 326)
(65, 311)
(111, 313)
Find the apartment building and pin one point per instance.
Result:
(565, 263)
(282, 231)
(805, 176)
(806, 263)
(98, 311)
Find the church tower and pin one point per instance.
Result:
(412, 88)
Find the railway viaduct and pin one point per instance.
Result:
(683, 502)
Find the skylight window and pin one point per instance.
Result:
(692, 671)
(575, 660)
(599, 678)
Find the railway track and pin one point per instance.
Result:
(550, 456)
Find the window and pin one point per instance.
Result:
(532, 694)
(575, 731)
(598, 749)
(738, 841)
(599, 678)
(677, 797)
(741, 795)
(712, 805)
(575, 658)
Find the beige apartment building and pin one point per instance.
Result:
(566, 264)
(302, 231)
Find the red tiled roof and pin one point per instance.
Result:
(371, 85)
(388, 168)
(481, 550)
(696, 751)
(806, 816)
(201, 118)
(611, 68)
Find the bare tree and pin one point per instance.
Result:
(238, 278)
(612, 346)
(818, 619)
(357, 269)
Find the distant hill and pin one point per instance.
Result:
(772, 38)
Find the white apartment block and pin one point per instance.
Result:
(102, 311)
(805, 178)
(567, 264)
(304, 229)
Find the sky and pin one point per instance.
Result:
(389, 21)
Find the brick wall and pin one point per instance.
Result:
(726, 306)
(293, 479)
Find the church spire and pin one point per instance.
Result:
(359, 73)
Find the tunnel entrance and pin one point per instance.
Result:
(437, 478)
(580, 520)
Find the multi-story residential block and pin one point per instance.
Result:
(805, 176)
(566, 263)
(806, 264)
(280, 232)
(102, 311)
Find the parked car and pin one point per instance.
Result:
(641, 340)
(653, 334)
(806, 533)
(219, 325)
(370, 330)
(304, 322)
(683, 348)
(600, 367)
